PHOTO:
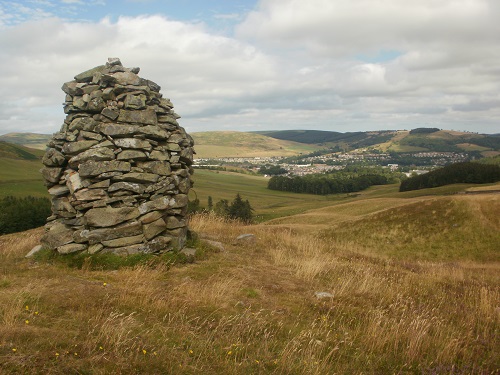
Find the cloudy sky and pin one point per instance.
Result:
(340, 65)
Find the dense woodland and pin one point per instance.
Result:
(323, 184)
(475, 173)
(20, 214)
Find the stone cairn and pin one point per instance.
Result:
(119, 169)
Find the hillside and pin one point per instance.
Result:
(293, 142)
(241, 144)
(364, 286)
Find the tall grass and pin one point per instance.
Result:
(251, 308)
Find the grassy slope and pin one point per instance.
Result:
(252, 307)
(31, 140)
(240, 144)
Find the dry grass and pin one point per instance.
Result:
(252, 309)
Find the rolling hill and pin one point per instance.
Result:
(294, 142)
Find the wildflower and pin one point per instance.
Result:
(27, 307)
(154, 353)
(229, 352)
(104, 284)
(76, 354)
(36, 312)
(27, 321)
(144, 351)
(101, 348)
(256, 361)
(190, 351)
(57, 354)
(14, 350)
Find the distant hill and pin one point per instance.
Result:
(13, 151)
(421, 139)
(293, 142)
(31, 140)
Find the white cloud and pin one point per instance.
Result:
(324, 64)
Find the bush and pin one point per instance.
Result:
(20, 214)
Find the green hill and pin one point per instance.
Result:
(31, 140)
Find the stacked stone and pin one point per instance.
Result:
(119, 169)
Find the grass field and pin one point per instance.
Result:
(21, 178)
(257, 308)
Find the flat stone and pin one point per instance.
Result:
(323, 295)
(71, 248)
(95, 248)
(189, 252)
(150, 217)
(139, 177)
(155, 205)
(153, 229)
(159, 155)
(126, 250)
(58, 190)
(109, 216)
(33, 251)
(77, 147)
(88, 75)
(154, 132)
(174, 222)
(62, 204)
(90, 135)
(146, 116)
(90, 194)
(57, 235)
(133, 143)
(131, 155)
(124, 230)
(72, 88)
(129, 186)
(179, 201)
(94, 154)
(124, 241)
(157, 167)
(127, 78)
(247, 237)
(118, 130)
(100, 184)
(92, 168)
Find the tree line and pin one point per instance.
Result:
(20, 214)
(325, 184)
(238, 209)
(467, 172)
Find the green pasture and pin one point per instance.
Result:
(21, 178)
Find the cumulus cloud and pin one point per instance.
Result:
(326, 64)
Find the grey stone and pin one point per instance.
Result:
(94, 154)
(153, 229)
(51, 174)
(127, 78)
(53, 158)
(57, 190)
(95, 248)
(135, 101)
(73, 181)
(155, 205)
(109, 113)
(87, 75)
(33, 251)
(92, 168)
(124, 241)
(150, 217)
(159, 244)
(133, 143)
(90, 194)
(159, 155)
(118, 130)
(323, 295)
(71, 248)
(108, 216)
(154, 132)
(189, 252)
(83, 123)
(147, 116)
(57, 235)
(129, 186)
(131, 155)
(72, 148)
(139, 177)
(124, 230)
(174, 222)
(247, 237)
(72, 88)
(90, 135)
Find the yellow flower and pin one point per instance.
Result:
(155, 353)
(27, 321)
(27, 307)
(229, 352)
(101, 348)
(190, 351)
(36, 312)
(104, 284)
(57, 354)
(144, 351)
(14, 350)
(256, 361)
(76, 353)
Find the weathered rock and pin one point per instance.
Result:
(71, 248)
(33, 251)
(92, 168)
(153, 229)
(146, 116)
(109, 216)
(116, 167)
